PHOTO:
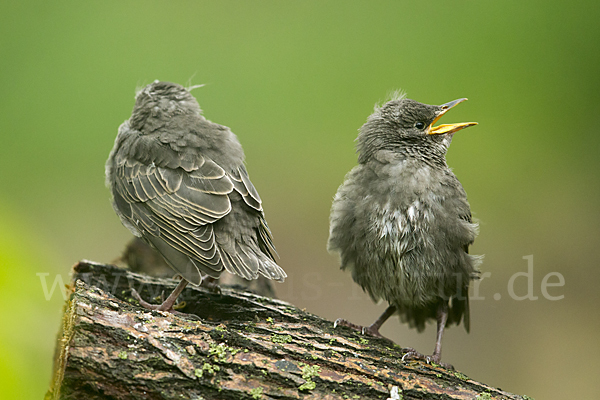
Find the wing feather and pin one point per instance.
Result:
(175, 209)
(173, 197)
(241, 183)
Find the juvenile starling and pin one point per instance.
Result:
(179, 182)
(401, 221)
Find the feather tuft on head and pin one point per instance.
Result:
(396, 95)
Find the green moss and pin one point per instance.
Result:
(256, 393)
(270, 320)
(206, 368)
(122, 355)
(309, 371)
(360, 341)
(308, 385)
(281, 339)
(484, 396)
(219, 328)
(525, 397)
(460, 375)
(218, 351)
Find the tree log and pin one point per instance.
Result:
(228, 345)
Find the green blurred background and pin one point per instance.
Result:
(294, 81)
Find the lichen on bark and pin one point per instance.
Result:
(232, 345)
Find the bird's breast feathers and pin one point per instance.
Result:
(399, 201)
(397, 220)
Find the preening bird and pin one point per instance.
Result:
(178, 182)
(401, 221)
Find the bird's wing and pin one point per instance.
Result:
(174, 197)
(463, 308)
(242, 184)
(174, 209)
(460, 309)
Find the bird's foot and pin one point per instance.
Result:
(412, 354)
(164, 306)
(149, 306)
(346, 323)
(212, 284)
(370, 330)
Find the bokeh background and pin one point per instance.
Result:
(294, 81)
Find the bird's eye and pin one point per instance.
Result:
(419, 125)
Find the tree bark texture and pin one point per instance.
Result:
(228, 345)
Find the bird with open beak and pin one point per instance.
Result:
(401, 221)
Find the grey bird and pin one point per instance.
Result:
(401, 221)
(179, 183)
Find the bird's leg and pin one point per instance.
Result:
(442, 317)
(167, 305)
(372, 329)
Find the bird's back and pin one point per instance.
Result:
(179, 182)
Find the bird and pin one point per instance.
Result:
(179, 183)
(401, 222)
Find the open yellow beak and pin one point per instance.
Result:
(448, 128)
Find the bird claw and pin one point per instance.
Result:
(143, 302)
(365, 330)
(346, 323)
(150, 306)
(370, 330)
(412, 354)
(172, 310)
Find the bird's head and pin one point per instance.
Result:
(160, 101)
(406, 127)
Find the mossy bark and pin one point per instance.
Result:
(232, 345)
